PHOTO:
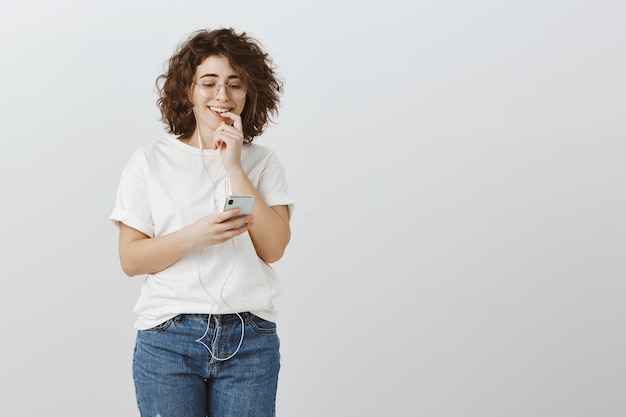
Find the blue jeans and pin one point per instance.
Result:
(176, 376)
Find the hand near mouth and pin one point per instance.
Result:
(235, 127)
(229, 140)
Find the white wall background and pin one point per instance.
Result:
(459, 241)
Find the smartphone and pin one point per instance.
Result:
(243, 202)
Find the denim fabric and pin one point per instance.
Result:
(176, 376)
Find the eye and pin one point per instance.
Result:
(208, 84)
(235, 87)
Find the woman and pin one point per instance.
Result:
(206, 341)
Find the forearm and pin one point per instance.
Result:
(270, 233)
(141, 255)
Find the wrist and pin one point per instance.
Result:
(236, 175)
(187, 239)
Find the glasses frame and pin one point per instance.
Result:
(218, 87)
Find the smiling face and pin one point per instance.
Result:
(211, 97)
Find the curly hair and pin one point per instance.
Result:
(245, 55)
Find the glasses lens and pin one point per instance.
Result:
(235, 91)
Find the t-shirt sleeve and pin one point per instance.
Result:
(273, 185)
(132, 203)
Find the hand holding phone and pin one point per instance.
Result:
(243, 202)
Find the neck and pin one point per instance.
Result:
(195, 138)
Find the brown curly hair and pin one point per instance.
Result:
(245, 55)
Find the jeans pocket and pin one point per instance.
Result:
(261, 326)
(161, 327)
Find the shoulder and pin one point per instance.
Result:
(262, 165)
(150, 153)
(257, 153)
(143, 159)
(255, 148)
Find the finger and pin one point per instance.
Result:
(224, 216)
(218, 135)
(234, 232)
(235, 131)
(228, 138)
(238, 223)
(237, 123)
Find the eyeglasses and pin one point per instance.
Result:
(210, 89)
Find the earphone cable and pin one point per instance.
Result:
(221, 296)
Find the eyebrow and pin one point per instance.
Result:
(230, 77)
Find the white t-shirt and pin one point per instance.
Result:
(166, 187)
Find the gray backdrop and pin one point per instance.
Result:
(458, 242)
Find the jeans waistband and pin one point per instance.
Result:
(221, 318)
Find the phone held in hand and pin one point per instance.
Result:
(243, 202)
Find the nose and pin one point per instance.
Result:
(222, 92)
